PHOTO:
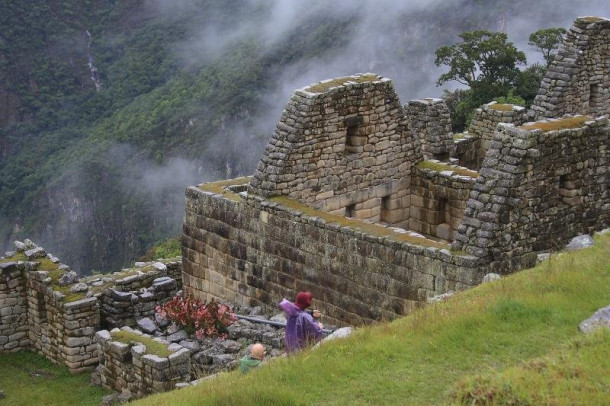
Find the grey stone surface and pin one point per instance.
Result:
(68, 278)
(579, 242)
(177, 336)
(147, 325)
(491, 277)
(600, 319)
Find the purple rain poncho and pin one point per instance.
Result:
(301, 329)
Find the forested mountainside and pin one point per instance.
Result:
(109, 109)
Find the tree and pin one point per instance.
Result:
(546, 41)
(483, 59)
(528, 83)
(486, 62)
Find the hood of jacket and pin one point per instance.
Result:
(289, 308)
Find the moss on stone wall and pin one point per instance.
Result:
(220, 187)
(152, 346)
(324, 86)
(556, 125)
(369, 228)
(439, 167)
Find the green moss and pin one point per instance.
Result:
(152, 346)
(19, 256)
(556, 125)
(439, 167)
(501, 107)
(591, 19)
(459, 136)
(322, 87)
(220, 187)
(373, 229)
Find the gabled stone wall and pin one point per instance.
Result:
(578, 80)
(335, 139)
(536, 190)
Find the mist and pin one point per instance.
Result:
(393, 38)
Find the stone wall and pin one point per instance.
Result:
(438, 199)
(486, 120)
(335, 139)
(578, 80)
(468, 151)
(537, 189)
(13, 303)
(46, 307)
(132, 367)
(248, 250)
(430, 122)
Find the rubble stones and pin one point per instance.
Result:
(147, 325)
(79, 287)
(35, 253)
(68, 278)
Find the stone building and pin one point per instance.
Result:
(578, 81)
(376, 207)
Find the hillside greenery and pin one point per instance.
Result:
(28, 378)
(98, 177)
(511, 341)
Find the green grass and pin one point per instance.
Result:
(152, 346)
(30, 379)
(556, 125)
(439, 167)
(501, 107)
(425, 358)
(220, 187)
(354, 224)
(165, 249)
(573, 374)
(324, 86)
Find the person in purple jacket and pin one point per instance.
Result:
(301, 328)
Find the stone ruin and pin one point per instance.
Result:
(109, 322)
(376, 207)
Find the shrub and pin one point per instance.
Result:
(198, 317)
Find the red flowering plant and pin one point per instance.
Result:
(196, 316)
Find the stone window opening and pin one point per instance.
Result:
(385, 209)
(354, 140)
(595, 98)
(563, 180)
(350, 211)
(443, 205)
(568, 191)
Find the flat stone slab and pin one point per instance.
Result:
(176, 337)
(600, 319)
(34, 253)
(147, 325)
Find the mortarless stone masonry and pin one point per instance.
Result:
(59, 320)
(537, 189)
(345, 168)
(429, 120)
(578, 80)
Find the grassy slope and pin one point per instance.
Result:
(426, 357)
(30, 379)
